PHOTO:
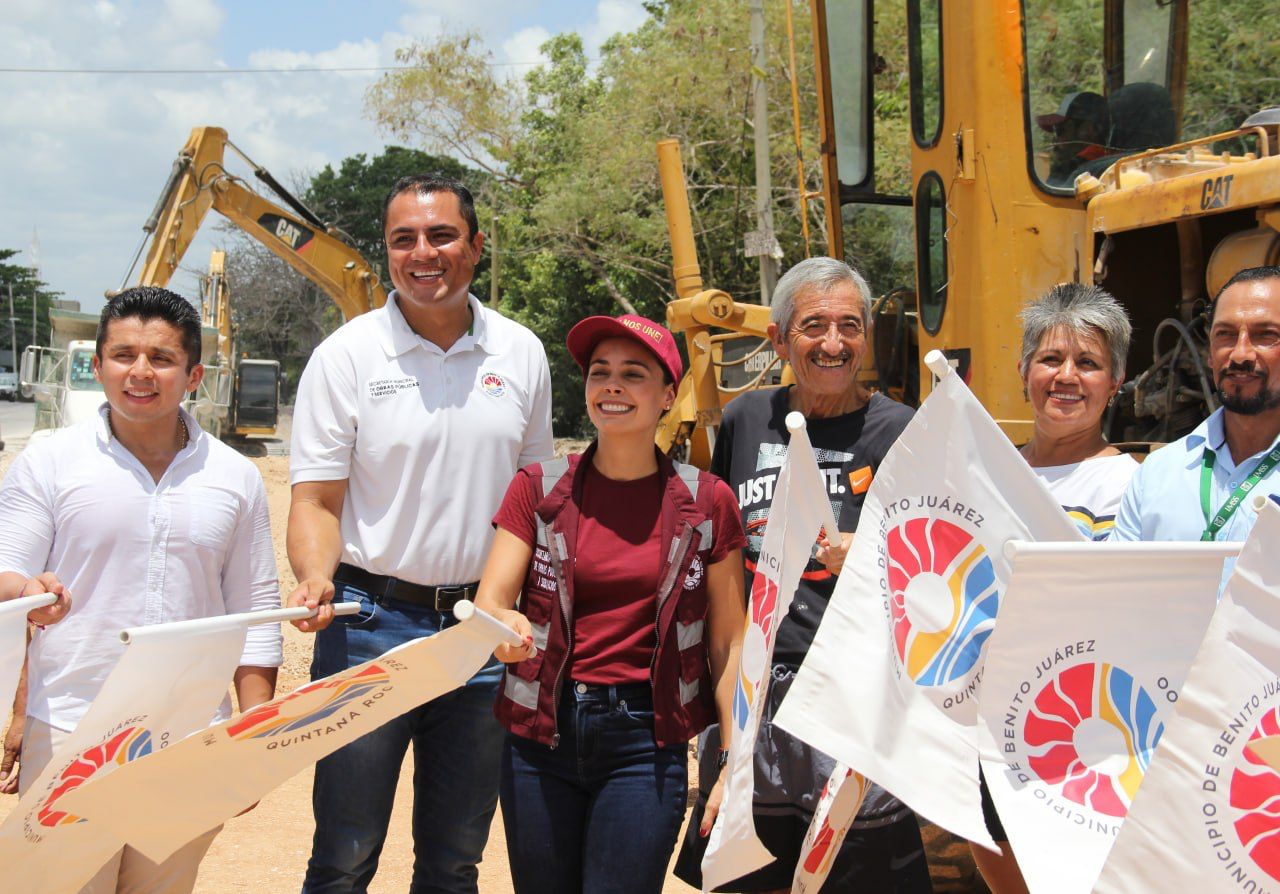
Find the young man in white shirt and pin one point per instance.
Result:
(139, 517)
(409, 424)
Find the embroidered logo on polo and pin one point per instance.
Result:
(387, 387)
(694, 576)
(493, 384)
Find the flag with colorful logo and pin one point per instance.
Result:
(13, 641)
(1079, 685)
(890, 682)
(1208, 815)
(837, 808)
(800, 508)
(160, 804)
(167, 684)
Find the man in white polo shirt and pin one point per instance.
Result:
(410, 422)
(140, 517)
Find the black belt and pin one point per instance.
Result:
(381, 586)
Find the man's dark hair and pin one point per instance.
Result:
(425, 184)
(1248, 274)
(154, 303)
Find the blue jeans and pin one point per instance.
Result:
(600, 812)
(457, 748)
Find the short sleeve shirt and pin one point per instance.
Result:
(615, 571)
(750, 448)
(426, 439)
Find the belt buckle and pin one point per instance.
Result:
(447, 597)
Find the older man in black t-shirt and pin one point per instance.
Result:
(820, 324)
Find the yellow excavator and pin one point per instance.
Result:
(199, 181)
(240, 395)
(1176, 188)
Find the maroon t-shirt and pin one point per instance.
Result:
(618, 556)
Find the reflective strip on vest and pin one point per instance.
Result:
(689, 634)
(689, 475)
(704, 534)
(678, 549)
(525, 692)
(688, 691)
(540, 635)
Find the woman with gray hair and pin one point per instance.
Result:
(1074, 343)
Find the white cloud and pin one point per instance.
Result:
(84, 156)
(612, 17)
(522, 48)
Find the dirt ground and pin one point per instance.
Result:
(266, 850)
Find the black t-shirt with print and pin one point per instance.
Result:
(748, 454)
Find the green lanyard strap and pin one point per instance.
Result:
(1215, 523)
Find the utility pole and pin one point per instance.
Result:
(762, 242)
(493, 264)
(13, 331)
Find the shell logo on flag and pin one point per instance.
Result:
(129, 744)
(308, 705)
(1255, 795)
(756, 646)
(1091, 731)
(943, 601)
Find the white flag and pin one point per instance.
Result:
(888, 686)
(160, 804)
(800, 507)
(1208, 815)
(837, 808)
(167, 685)
(13, 642)
(1080, 681)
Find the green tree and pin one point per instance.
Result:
(29, 293)
(576, 190)
(350, 197)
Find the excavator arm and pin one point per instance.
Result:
(199, 181)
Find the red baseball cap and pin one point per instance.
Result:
(586, 334)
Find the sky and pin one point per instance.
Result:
(83, 156)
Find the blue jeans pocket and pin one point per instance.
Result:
(362, 619)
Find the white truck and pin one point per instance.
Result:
(8, 385)
(229, 402)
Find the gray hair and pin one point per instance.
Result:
(821, 275)
(1081, 309)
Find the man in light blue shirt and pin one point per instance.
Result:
(1202, 486)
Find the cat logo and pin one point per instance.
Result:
(288, 231)
(1216, 192)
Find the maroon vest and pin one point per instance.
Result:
(683, 700)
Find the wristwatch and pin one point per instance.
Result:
(722, 758)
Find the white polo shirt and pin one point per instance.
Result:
(133, 552)
(426, 439)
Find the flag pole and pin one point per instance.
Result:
(467, 611)
(25, 604)
(1019, 548)
(241, 619)
(938, 363)
(800, 434)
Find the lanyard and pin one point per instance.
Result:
(1215, 523)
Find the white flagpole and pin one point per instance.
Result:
(241, 619)
(24, 604)
(1136, 549)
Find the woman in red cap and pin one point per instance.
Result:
(627, 569)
